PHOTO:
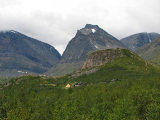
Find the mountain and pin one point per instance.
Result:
(150, 51)
(123, 88)
(88, 39)
(20, 54)
(138, 40)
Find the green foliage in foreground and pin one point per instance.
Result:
(135, 96)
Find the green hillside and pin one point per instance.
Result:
(126, 88)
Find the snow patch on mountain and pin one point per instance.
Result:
(12, 31)
(19, 71)
(149, 38)
(93, 30)
(96, 46)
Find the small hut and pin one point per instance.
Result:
(78, 84)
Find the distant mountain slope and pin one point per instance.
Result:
(88, 39)
(138, 40)
(20, 54)
(150, 51)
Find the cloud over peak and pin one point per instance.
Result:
(56, 21)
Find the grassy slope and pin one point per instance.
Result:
(135, 96)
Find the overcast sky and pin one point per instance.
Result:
(57, 21)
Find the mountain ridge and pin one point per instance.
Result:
(86, 40)
(22, 53)
(137, 40)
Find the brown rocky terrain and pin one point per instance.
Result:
(99, 58)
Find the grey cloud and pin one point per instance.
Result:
(120, 18)
(6, 3)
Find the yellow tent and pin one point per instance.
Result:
(68, 86)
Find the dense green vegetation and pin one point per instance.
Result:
(134, 95)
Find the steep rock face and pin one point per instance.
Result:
(88, 39)
(101, 57)
(22, 54)
(138, 40)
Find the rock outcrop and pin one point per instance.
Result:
(102, 57)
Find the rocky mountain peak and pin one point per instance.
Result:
(88, 29)
(88, 39)
(8, 31)
(12, 31)
(92, 26)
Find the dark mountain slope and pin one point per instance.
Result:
(20, 53)
(138, 40)
(88, 39)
